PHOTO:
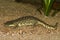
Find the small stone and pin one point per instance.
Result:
(20, 32)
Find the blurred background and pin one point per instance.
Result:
(56, 4)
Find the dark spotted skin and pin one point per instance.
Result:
(27, 20)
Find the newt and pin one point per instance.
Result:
(27, 21)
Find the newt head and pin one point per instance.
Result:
(10, 24)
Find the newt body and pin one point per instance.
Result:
(28, 20)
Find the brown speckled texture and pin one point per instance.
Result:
(12, 10)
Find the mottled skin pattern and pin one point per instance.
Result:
(27, 20)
